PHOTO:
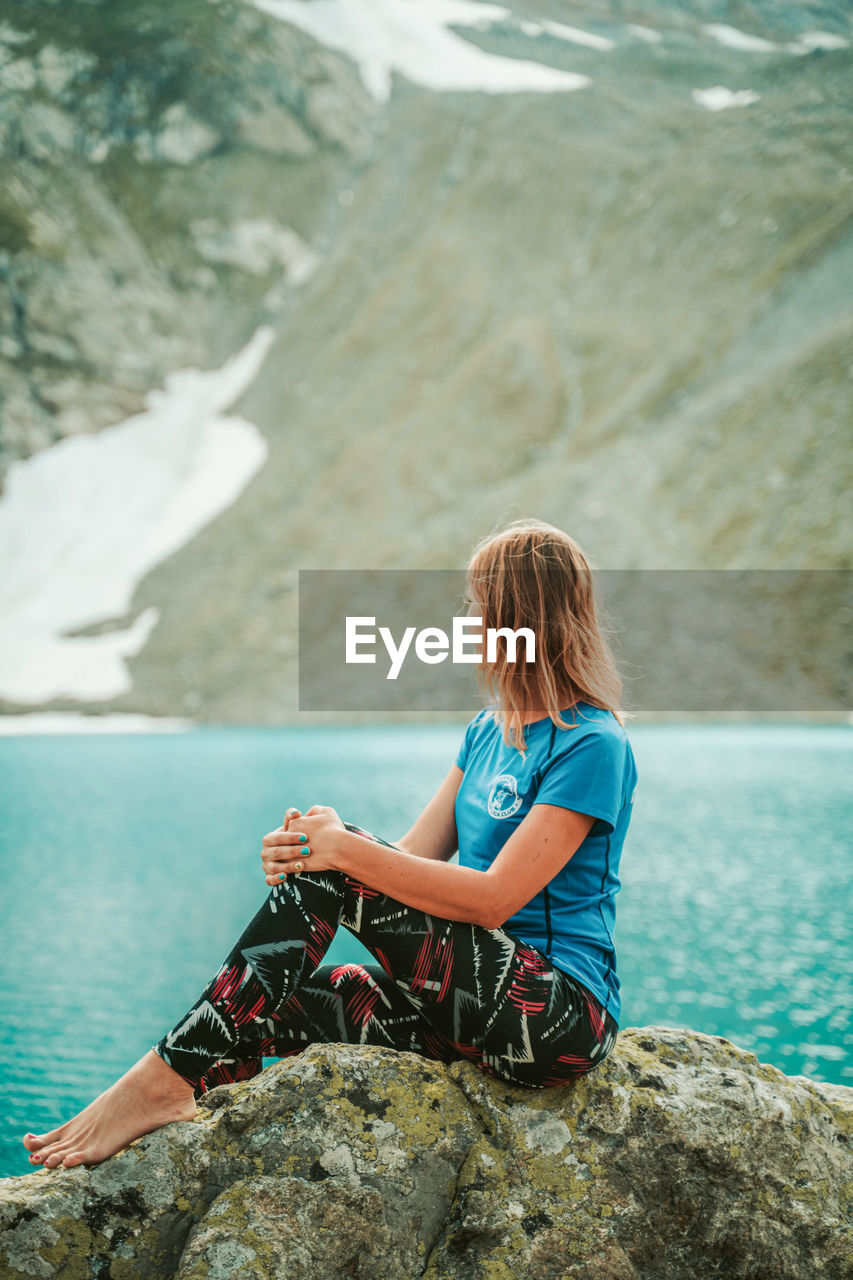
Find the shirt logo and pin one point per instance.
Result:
(504, 799)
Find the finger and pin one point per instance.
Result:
(280, 876)
(283, 854)
(280, 870)
(284, 861)
(277, 839)
(291, 813)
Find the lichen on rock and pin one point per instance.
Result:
(681, 1155)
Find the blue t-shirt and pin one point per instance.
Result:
(589, 768)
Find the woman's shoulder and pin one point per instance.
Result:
(589, 718)
(479, 723)
(589, 722)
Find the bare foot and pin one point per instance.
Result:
(146, 1097)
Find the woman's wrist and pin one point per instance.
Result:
(358, 855)
(343, 852)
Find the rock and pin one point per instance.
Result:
(682, 1155)
(117, 130)
(182, 138)
(329, 112)
(9, 34)
(263, 1227)
(18, 75)
(59, 67)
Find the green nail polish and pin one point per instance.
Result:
(281, 875)
(302, 837)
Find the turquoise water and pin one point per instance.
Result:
(131, 863)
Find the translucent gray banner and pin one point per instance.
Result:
(684, 640)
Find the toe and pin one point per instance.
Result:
(55, 1158)
(33, 1141)
(74, 1158)
(55, 1153)
(50, 1139)
(41, 1153)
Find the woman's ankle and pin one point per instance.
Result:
(163, 1077)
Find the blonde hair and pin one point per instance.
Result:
(531, 574)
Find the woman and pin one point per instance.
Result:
(506, 959)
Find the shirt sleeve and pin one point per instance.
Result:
(587, 777)
(462, 753)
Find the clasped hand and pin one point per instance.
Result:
(309, 839)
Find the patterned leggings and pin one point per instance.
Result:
(443, 989)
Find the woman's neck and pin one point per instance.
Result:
(533, 713)
(529, 714)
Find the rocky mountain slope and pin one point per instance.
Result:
(617, 306)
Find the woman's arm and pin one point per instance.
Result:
(538, 848)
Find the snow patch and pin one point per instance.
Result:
(806, 42)
(645, 33)
(717, 98)
(82, 523)
(75, 722)
(732, 38)
(411, 37)
(575, 35)
(255, 245)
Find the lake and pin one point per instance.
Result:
(131, 863)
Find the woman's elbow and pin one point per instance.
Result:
(491, 914)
